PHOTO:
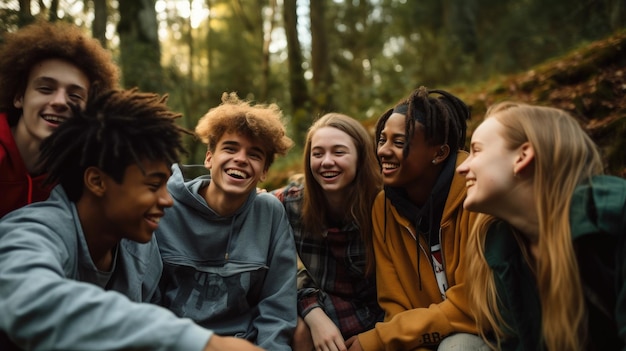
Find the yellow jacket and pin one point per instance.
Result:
(417, 317)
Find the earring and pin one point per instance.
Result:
(434, 161)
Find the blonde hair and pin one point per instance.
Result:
(359, 195)
(260, 122)
(565, 156)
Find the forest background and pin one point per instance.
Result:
(360, 57)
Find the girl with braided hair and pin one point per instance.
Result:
(420, 228)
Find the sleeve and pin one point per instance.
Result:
(277, 308)
(405, 327)
(42, 309)
(308, 291)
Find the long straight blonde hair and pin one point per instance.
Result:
(565, 156)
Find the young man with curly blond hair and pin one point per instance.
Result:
(228, 251)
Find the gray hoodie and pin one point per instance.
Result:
(52, 297)
(235, 275)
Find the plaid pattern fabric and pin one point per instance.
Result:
(332, 275)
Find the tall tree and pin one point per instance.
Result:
(140, 53)
(322, 76)
(301, 116)
(100, 19)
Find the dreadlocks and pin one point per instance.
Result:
(117, 129)
(444, 118)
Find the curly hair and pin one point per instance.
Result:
(444, 118)
(23, 49)
(118, 128)
(260, 122)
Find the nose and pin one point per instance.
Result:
(462, 169)
(59, 99)
(165, 198)
(327, 160)
(382, 150)
(240, 156)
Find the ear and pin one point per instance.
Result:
(264, 174)
(93, 179)
(18, 102)
(525, 156)
(442, 153)
(208, 160)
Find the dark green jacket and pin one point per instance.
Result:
(598, 222)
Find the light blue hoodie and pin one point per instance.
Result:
(235, 275)
(52, 297)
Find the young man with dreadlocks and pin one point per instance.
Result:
(421, 229)
(44, 68)
(73, 268)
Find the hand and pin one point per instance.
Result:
(227, 343)
(325, 334)
(354, 344)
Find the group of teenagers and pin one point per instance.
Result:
(404, 241)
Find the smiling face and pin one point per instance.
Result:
(237, 165)
(133, 208)
(489, 169)
(397, 170)
(333, 159)
(52, 85)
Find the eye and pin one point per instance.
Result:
(398, 142)
(381, 141)
(256, 156)
(316, 154)
(77, 97)
(154, 186)
(44, 89)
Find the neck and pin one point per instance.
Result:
(419, 191)
(27, 147)
(100, 241)
(521, 214)
(335, 204)
(220, 202)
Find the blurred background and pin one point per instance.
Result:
(360, 57)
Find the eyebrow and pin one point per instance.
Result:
(234, 143)
(160, 175)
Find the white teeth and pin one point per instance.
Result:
(54, 119)
(390, 165)
(154, 219)
(237, 173)
(469, 183)
(329, 174)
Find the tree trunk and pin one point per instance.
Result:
(322, 77)
(300, 105)
(99, 26)
(140, 54)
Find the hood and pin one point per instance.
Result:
(598, 206)
(186, 190)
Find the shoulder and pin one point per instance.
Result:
(289, 193)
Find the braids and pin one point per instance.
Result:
(444, 117)
(117, 129)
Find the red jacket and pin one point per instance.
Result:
(17, 187)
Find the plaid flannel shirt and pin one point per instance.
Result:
(332, 271)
